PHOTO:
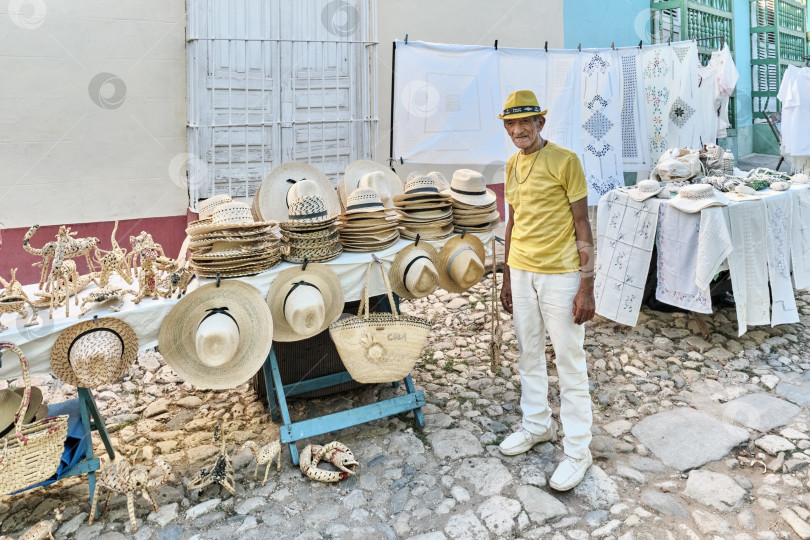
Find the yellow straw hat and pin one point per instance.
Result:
(521, 104)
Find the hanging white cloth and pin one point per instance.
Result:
(521, 69)
(708, 104)
(723, 64)
(685, 273)
(780, 214)
(656, 62)
(794, 93)
(563, 100)
(601, 133)
(800, 236)
(684, 120)
(748, 262)
(625, 231)
(635, 141)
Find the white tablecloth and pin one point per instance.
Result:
(146, 318)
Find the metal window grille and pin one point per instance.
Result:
(778, 39)
(704, 20)
(273, 81)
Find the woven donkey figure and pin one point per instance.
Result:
(140, 243)
(114, 260)
(148, 278)
(221, 472)
(264, 455)
(43, 529)
(128, 478)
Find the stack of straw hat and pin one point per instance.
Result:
(370, 174)
(280, 188)
(227, 241)
(474, 207)
(422, 210)
(365, 226)
(310, 231)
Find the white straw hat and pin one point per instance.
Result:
(365, 173)
(218, 336)
(208, 205)
(470, 187)
(273, 195)
(304, 302)
(364, 200)
(461, 263)
(645, 189)
(413, 273)
(419, 188)
(693, 198)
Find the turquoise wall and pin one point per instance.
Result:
(742, 57)
(596, 23)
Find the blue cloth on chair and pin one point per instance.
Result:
(75, 443)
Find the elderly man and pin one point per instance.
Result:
(548, 285)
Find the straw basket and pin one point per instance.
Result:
(379, 347)
(33, 451)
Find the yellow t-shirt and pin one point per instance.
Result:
(543, 237)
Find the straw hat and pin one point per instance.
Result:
(364, 200)
(304, 302)
(645, 189)
(228, 216)
(210, 204)
(520, 104)
(461, 263)
(470, 187)
(440, 180)
(10, 403)
(217, 336)
(413, 273)
(95, 352)
(370, 174)
(274, 199)
(307, 211)
(419, 188)
(693, 198)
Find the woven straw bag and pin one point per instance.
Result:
(32, 452)
(379, 347)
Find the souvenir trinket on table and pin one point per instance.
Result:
(140, 244)
(336, 453)
(44, 299)
(264, 456)
(103, 295)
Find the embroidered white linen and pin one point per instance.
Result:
(780, 214)
(635, 146)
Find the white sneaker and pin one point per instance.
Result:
(570, 472)
(523, 441)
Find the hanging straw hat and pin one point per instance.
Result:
(645, 189)
(520, 104)
(10, 404)
(304, 302)
(693, 198)
(413, 273)
(94, 353)
(365, 173)
(364, 200)
(461, 263)
(217, 336)
(274, 197)
(470, 187)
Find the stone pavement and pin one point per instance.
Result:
(694, 437)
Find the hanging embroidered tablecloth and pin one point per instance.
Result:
(625, 231)
(780, 214)
(563, 99)
(657, 63)
(684, 118)
(601, 134)
(635, 141)
(800, 236)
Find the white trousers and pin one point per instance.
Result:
(544, 302)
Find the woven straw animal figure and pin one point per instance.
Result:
(129, 478)
(140, 243)
(43, 529)
(43, 299)
(336, 453)
(176, 277)
(114, 260)
(264, 455)
(13, 298)
(73, 247)
(147, 279)
(63, 274)
(105, 294)
(221, 472)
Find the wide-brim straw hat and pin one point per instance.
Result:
(178, 334)
(273, 202)
(646, 189)
(521, 104)
(10, 404)
(298, 255)
(426, 282)
(470, 187)
(454, 274)
(320, 279)
(358, 169)
(99, 340)
(429, 233)
(695, 197)
(363, 201)
(232, 272)
(227, 217)
(419, 188)
(207, 206)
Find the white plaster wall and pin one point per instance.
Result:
(514, 23)
(63, 157)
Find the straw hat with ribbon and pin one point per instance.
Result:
(370, 174)
(470, 187)
(521, 104)
(304, 301)
(364, 200)
(218, 336)
(210, 204)
(10, 404)
(274, 195)
(413, 273)
(94, 353)
(695, 197)
(646, 189)
(461, 263)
